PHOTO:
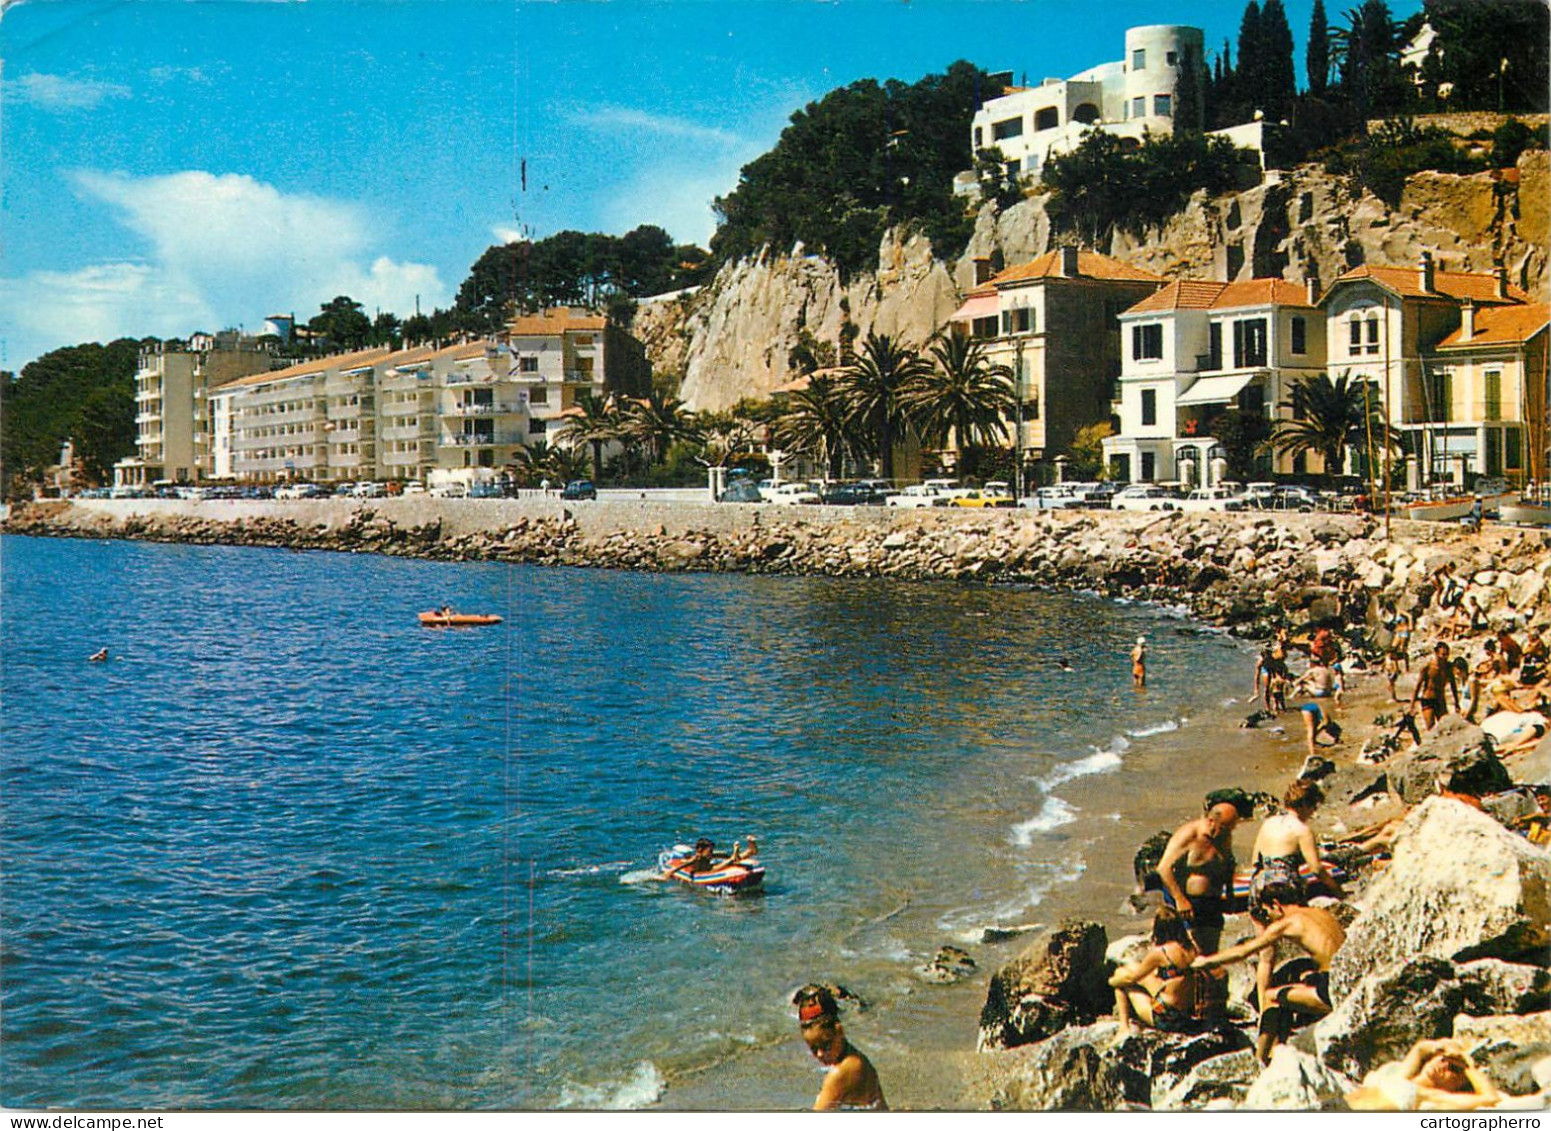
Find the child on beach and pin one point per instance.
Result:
(851, 1084)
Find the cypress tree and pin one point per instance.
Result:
(1317, 58)
(1190, 93)
(1249, 81)
(1276, 61)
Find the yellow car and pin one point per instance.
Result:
(985, 497)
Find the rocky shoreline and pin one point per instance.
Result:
(1452, 938)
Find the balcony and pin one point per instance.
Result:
(474, 375)
(408, 382)
(483, 439)
(501, 409)
(582, 377)
(415, 431)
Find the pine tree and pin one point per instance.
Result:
(1279, 78)
(1317, 58)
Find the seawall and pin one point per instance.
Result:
(1247, 570)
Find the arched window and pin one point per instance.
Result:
(1087, 114)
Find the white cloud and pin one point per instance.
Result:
(221, 250)
(59, 93)
(505, 234)
(622, 119)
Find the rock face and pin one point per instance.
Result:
(1508, 1047)
(1460, 886)
(1065, 1073)
(1457, 751)
(1222, 1080)
(1295, 1081)
(734, 338)
(1056, 983)
(1389, 1011)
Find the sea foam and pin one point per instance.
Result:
(1052, 815)
(642, 1087)
(1098, 762)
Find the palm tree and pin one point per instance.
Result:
(875, 384)
(817, 420)
(1328, 417)
(964, 395)
(596, 423)
(658, 420)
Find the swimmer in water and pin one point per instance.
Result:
(98, 656)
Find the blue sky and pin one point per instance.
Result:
(173, 165)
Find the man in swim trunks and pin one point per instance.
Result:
(704, 859)
(1433, 679)
(1197, 869)
(1317, 931)
(1316, 723)
(851, 1084)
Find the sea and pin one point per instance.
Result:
(287, 850)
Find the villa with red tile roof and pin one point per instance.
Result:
(1052, 322)
(1192, 351)
(1453, 356)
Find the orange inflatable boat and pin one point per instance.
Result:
(456, 620)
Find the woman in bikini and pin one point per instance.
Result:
(1285, 843)
(851, 1082)
(1160, 990)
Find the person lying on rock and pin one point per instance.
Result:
(1197, 869)
(1160, 990)
(1436, 1075)
(1277, 916)
(851, 1084)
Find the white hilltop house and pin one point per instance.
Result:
(1129, 98)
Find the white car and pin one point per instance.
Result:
(1145, 497)
(918, 495)
(792, 494)
(1211, 499)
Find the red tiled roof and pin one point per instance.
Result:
(1406, 282)
(1090, 265)
(1502, 325)
(1181, 294)
(1264, 292)
(354, 360)
(552, 322)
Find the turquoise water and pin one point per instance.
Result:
(288, 850)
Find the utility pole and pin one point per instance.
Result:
(1017, 435)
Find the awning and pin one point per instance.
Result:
(980, 306)
(1215, 390)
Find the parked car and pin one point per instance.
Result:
(414, 487)
(1145, 497)
(493, 491)
(741, 491)
(452, 490)
(1059, 496)
(855, 495)
(1212, 499)
(130, 491)
(792, 494)
(987, 496)
(579, 489)
(918, 495)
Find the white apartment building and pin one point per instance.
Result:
(1127, 98)
(172, 414)
(379, 414)
(1195, 349)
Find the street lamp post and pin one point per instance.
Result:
(1017, 434)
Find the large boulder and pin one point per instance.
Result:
(1390, 1010)
(1295, 1081)
(1507, 1047)
(1057, 982)
(1454, 749)
(1152, 1062)
(1533, 768)
(1460, 886)
(1221, 1080)
(1066, 1072)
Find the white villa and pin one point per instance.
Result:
(1195, 349)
